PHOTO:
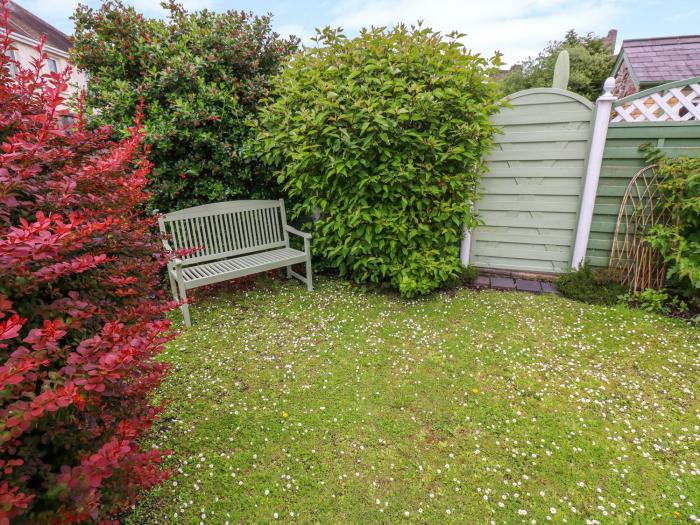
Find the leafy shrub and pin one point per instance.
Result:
(466, 276)
(591, 62)
(591, 285)
(469, 274)
(382, 136)
(678, 242)
(201, 76)
(80, 309)
(657, 301)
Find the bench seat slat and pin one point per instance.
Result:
(232, 231)
(213, 272)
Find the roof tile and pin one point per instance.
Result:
(664, 59)
(31, 26)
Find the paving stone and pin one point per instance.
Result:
(526, 285)
(548, 287)
(482, 282)
(502, 283)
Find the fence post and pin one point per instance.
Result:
(465, 246)
(595, 160)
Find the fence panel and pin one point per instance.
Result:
(530, 196)
(666, 117)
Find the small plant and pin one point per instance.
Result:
(384, 135)
(466, 276)
(591, 285)
(469, 274)
(678, 239)
(657, 301)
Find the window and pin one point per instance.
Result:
(12, 66)
(52, 65)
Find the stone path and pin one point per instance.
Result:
(521, 285)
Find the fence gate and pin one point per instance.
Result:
(530, 196)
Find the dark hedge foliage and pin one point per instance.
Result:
(591, 63)
(382, 137)
(201, 76)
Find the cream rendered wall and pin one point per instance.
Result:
(25, 50)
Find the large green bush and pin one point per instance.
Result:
(591, 63)
(201, 76)
(382, 137)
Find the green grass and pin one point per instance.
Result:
(345, 406)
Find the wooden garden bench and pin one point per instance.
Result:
(229, 240)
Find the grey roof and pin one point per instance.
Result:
(31, 26)
(656, 60)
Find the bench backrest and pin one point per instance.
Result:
(226, 229)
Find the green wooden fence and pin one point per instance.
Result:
(532, 201)
(676, 133)
(531, 192)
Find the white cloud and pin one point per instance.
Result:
(517, 28)
(297, 30)
(57, 12)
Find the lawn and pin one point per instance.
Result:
(352, 406)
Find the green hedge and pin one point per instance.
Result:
(383, 136)
(201, 76)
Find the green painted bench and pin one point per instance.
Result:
(229, 240)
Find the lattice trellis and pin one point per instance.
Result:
(675, 102)
(640, 265)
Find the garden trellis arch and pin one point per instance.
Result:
(531, 192)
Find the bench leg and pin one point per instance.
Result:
(307, 249)
(309, 283)
(173, 286)
(184, 308)
(289, 272)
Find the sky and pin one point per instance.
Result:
(517, 28)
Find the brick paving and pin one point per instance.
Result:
(502, 283)
(507, 284)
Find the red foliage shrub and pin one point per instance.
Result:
(81, 308)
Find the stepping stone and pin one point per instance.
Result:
(482, 282)
(548, 287)
(502, 283)
(526, 285)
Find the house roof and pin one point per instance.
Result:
(660, 60)
(31, 26)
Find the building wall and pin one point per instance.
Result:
(25, 51)
(624, 85)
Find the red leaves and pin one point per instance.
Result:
(9, 328)
(79, 264)
(81, 308)
(12, 502)
(96, 472)
(14, 371)
(46, 337)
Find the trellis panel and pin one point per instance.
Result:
(673, 102)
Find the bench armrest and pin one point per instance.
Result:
(176, 260)
(294, 231)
